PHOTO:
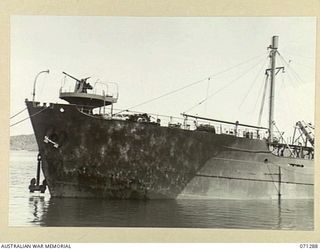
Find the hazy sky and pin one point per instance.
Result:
(151, 56)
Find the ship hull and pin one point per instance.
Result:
(91, 157)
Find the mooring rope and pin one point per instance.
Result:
(18, 113)
(28, 117)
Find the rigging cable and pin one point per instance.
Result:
(28, 117)
(250, 88)
(297, 82)
(259, 96)
(295, 74)
(263, 99)
(18, 113)
(190, 84)
(295, 54)
(293, 82)
(287, 106)
(305, 66)
(284, 110)
(227, 85)
(207, 93)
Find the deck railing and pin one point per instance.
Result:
(99, 87)
(184, 122)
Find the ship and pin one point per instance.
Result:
(88, 152)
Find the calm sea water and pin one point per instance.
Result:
(35, 210)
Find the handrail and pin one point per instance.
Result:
(109, 89)
(170, 121)
(221, 121)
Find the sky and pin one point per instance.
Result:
(151, 56)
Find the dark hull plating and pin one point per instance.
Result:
(100, 158)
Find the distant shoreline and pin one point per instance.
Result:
(23, 142)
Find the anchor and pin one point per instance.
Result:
(35, 182)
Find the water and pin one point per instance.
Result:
(35, 210)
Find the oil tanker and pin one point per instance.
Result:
(87, 152)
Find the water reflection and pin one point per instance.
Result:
(27, 209)
(37, 206)
(253, 214)
(279, 215)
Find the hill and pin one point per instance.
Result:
(23, 142)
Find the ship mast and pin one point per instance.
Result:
(273, 47)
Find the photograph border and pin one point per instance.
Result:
(182, 8)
